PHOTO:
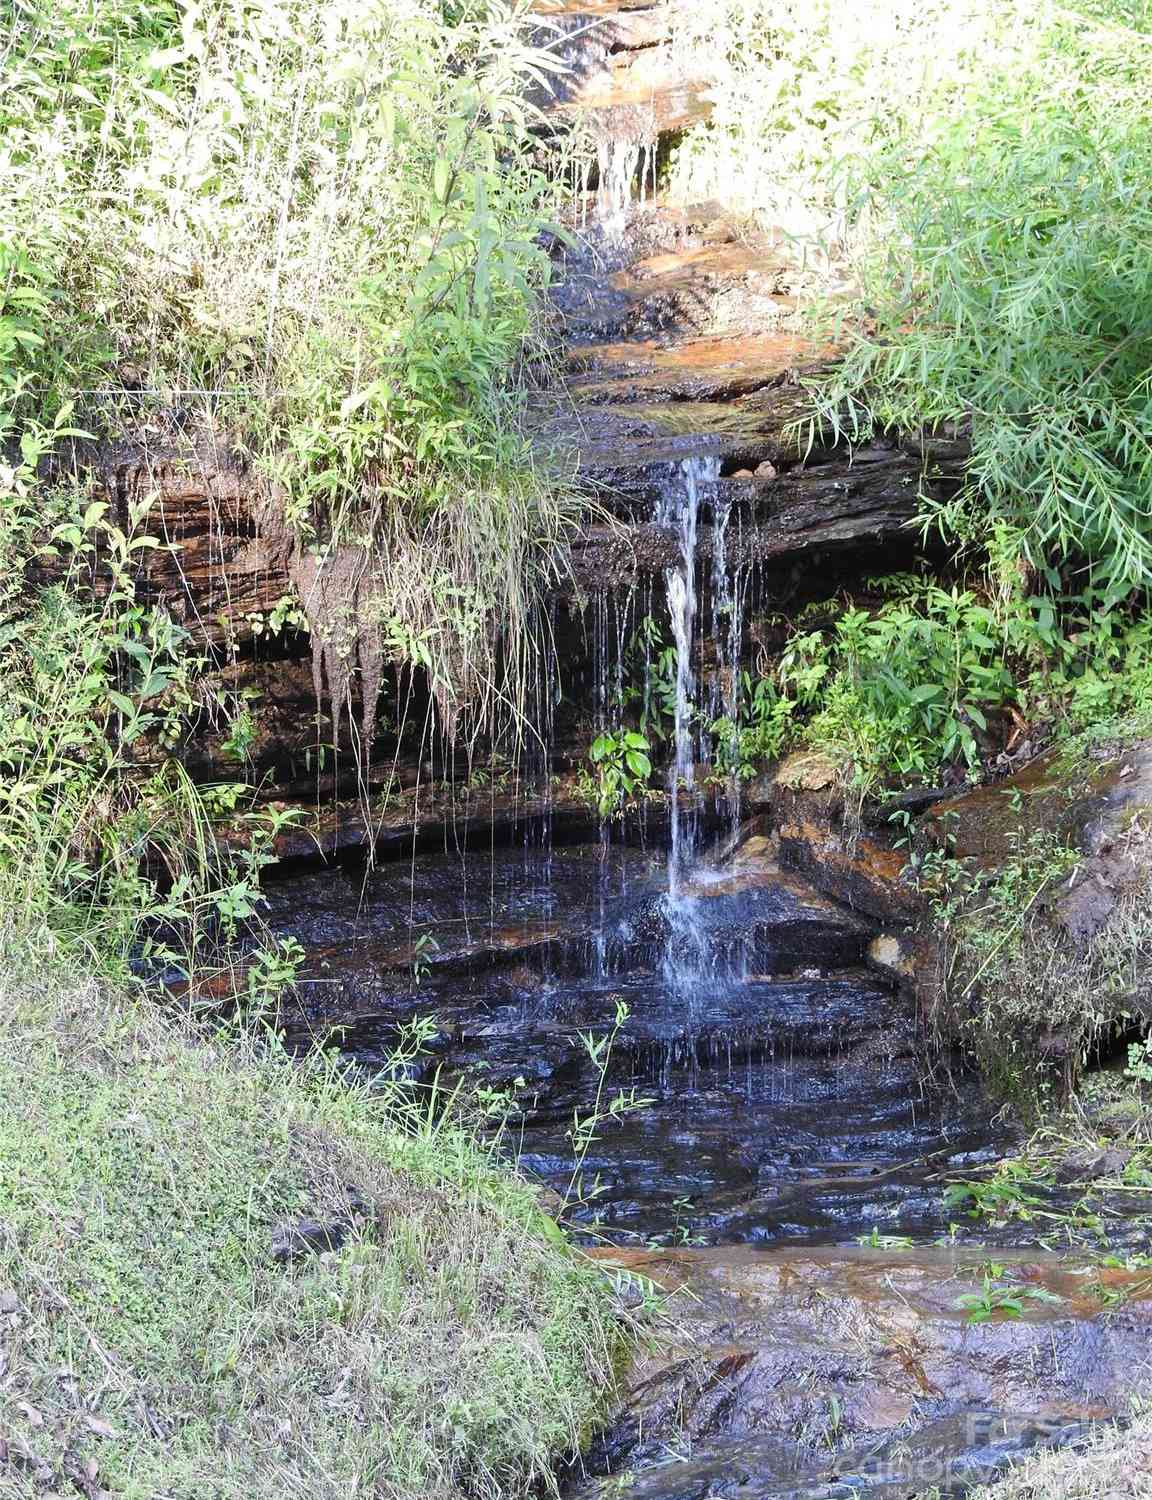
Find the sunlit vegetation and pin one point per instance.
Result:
(312, 235)
(308, 233)
(446, 1342)
(303, 234)
(971, 177)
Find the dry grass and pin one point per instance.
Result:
(1027, 994)
(1112, 1466)
(151, 1346)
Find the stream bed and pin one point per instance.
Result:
(689, 1047)
(786, 1115)
(779, 1082)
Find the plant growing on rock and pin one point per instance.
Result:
(1008, 1299)
(621, 766)
(1009, 971)
(309, 233)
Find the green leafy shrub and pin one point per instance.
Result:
(915, 685)
(621, 766)
(759, 732)
(908, 687)
(801, 85)
(977, 172)
(106, 845)
(1008, 291)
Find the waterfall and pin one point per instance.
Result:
(728, 584)
(679, 506)
(616, 161)
(626, 147)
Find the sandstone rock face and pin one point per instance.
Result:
(682, 343)
(803, 806)
(833, 1372)
(1092, 800)
(216, 568)
(1098, 802)
(622, 57)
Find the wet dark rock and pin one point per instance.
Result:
(405, 815)
(681, 289)
(798, 514)
(844, 1373)
(1088, 1166)
(952, 1455)
(783, 1077)
(297, 1239)
(304, 1237)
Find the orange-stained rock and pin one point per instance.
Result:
(835, 1349)
(803, 807)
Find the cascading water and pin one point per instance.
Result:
(616, 162)
(728, 584)
(679, 506)
(625, 157)
(783, 1081)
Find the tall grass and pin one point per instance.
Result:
(980, 170)
(308, 230)
(803, 87)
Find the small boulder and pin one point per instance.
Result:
(294, 1239)
(298, 1238)
(1091, 1166)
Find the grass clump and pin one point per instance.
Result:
(1026, 982)
(149, 1343)
(448, 1343)
(307, 233)
(1110, 1463)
